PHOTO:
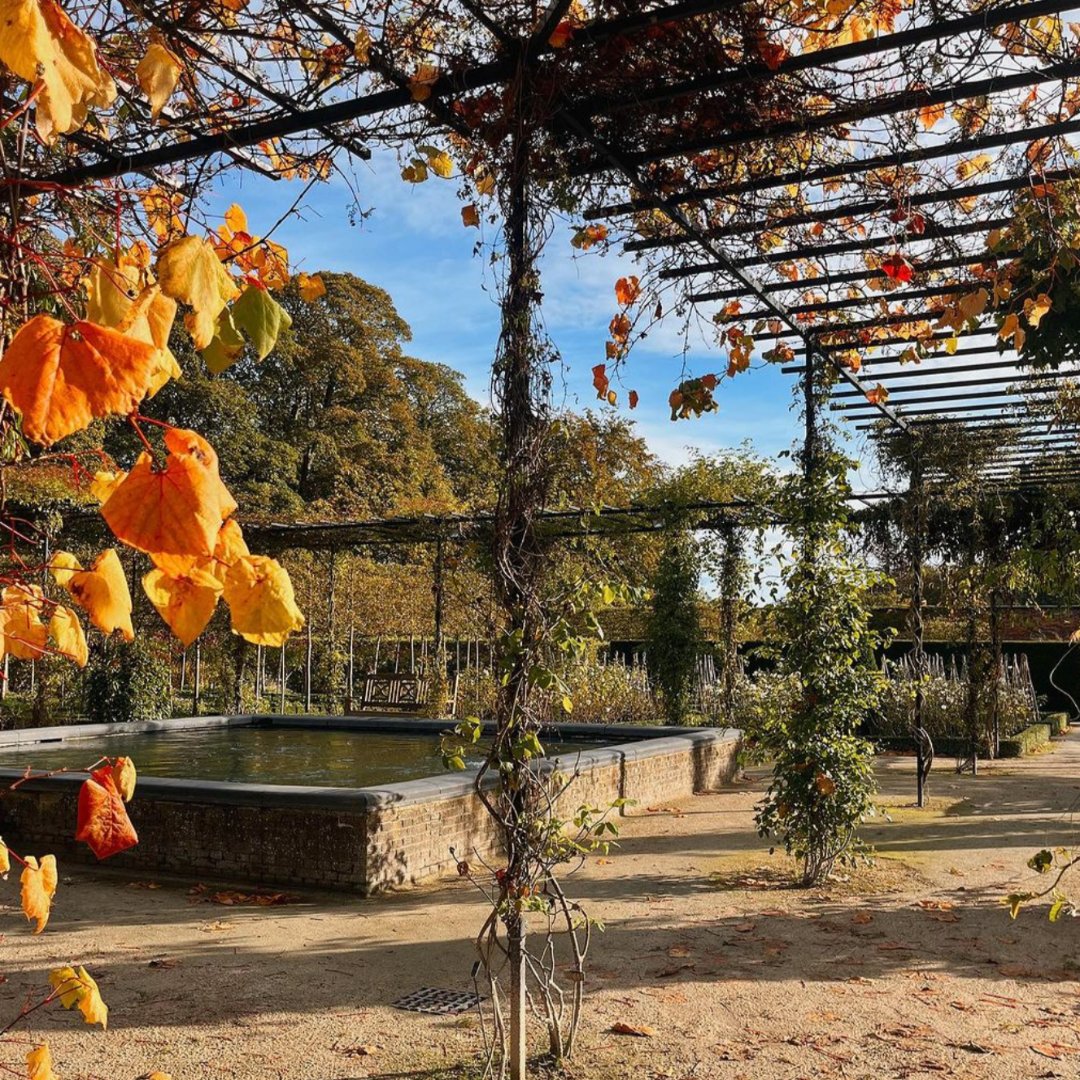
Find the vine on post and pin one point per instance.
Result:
(822, 769)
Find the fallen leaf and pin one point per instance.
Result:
(642, 1031)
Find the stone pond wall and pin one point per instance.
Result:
(361, 840)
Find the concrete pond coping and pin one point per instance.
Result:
(363, 839)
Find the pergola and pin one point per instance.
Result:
(771, 163)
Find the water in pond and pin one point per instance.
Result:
(276, 755)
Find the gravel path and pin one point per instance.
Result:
(911, 968)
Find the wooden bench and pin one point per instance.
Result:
(400, 693)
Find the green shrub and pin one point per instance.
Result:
(127, 681)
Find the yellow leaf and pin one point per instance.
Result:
(185, 603)
(24, 634)
(67, 633)
(5, 859)
(38, 888)
(311, 287)
(441, 164)
(39, 1064)
(189, 270)
(1034, 310)
(37, 40)
(951, 345)
(260, 598)
(362, 46)
(102, 486)
(78, 988)
(150, 319)
(972, 166)
(102, 592)
(124, 777)
(158, 73)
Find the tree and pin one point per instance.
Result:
(339, 421)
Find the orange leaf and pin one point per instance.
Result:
(422, 81)
(103, 821)
(600, 380)
(177, 510)
(632, 397)
(878, 395)
(60, 377)
(620, 329)
(470, 216)
(38, 889)
(627, 290)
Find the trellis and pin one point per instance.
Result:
(740, 231)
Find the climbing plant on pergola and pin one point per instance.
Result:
(838, 184)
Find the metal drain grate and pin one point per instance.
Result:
(429, 999)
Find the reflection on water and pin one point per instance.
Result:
(262, 755)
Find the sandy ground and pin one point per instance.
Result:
(912, 968)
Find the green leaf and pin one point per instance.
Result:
(261, 317)
(1057, 908)
(226, 347)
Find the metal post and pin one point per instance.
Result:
(198, 679)
(281, 682)
(349, 693)
(924, 748)
(307, 672)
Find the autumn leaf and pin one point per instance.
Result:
(23, 633)
(5, 860)
(627, 290)
(362, 46)
(261, 317)
(642, 1031)
(186, 604)
(930, 115)
(619, 328)
(115, 300)
(632, 398)
(104, 483)
(470, 216)
(38, 883)
(39, 41)
(190, 271)
(157, 74)
(600, 380)
(422, 80)
(39, 1064)
(176, 510)
(77, 988)
(1034, 310)
(102, 591)
(878, 395)
(68, 636)
(589, 235)
(59, 377)
(310, 287)
(124, 777)
(236, 220)
(260, 598)
(103, 822)
(826, 785)
(561, 35)
(897, 268)
(226, 347)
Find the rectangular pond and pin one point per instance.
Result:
(355, 803)
(267, 754)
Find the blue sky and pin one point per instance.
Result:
(413, 245)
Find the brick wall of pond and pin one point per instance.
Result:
(362, 840)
